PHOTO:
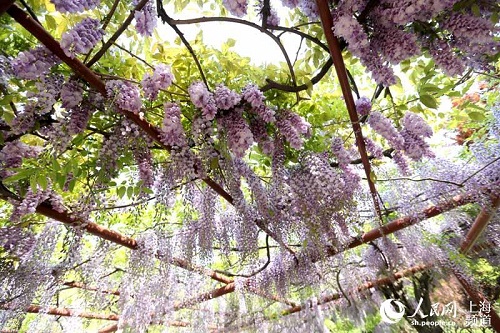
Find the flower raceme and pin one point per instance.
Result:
(74, 6)
(145, 19)
(162, 78)
(125, 95)
(82, 38)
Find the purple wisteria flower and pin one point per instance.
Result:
(162, 78)
(172, 132)
(363, 106)
(384, 127)
(74, 6)
(32, 64)
(71, 94)
(292, 126)
(82, 38)
(125, 95)
(145, 19)
(236, 7)
(204, 99)
(225, 98)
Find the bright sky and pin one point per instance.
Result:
(249, 41)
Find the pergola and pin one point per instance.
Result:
(227, 283)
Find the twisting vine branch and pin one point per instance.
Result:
(266, 10)
(268, 261)
(108, 17)
(168, 20)
(247, 23)
(117, 34)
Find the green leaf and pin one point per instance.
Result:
(121, 191)
(51, 22)
(494, 17)
(33, 183)
(130, 192)
(72, 184)
(476, 116)
(55, 165)
(21, 174)
(60, 180)
(42, 181)
(147, 190)
(230, 42)
(8, 116)
(428, 101)
(5, 100)
(429, 87)
(475, 10)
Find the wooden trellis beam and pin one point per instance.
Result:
(4, 5)
(374, 234)
(365, 286)
(65, 312)
(477, 228)
(338, 62)
(480, 223)
(407, 221)
(112, 236)
(478, 298)
(335, 296)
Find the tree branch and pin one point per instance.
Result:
(117, 34)
(338, 61)
(250, 24)
(284, 87)
(167, 19)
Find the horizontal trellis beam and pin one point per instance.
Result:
(365, 286)
(65, 312)
(112, 236)
(406, 221)
(480, 223)
(374, 234)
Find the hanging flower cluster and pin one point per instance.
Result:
(162, 78)
(236, 7)
(82, 38)
(74, 6)
(293, 127)
(145, 19)
(125, 95)
(32, 64)
(172, 131)
(71, 94)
